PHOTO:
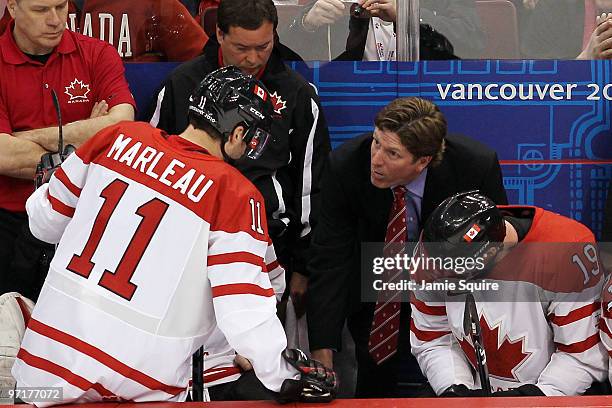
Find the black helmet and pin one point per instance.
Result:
(227, 98)
(464, 225)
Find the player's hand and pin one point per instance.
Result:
(243, 363)
(99, 109)
(383, 9)
(461, 390)
(527, 390)
(316, 383)
(297, 291)
(323, 12)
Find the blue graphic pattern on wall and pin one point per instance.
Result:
(555, 114)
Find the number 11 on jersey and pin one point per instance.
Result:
(256, 216)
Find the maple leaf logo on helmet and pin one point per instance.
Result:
(277, 102)
(77, 91)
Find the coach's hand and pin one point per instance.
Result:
(297, 291)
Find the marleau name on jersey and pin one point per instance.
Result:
(187, 181)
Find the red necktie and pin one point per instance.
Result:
(384, 333)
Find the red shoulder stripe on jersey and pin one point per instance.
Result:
(603, 326)
(607, 313)
(214, 374)
(424, 308)
(241, 289)
(272, 266)
(101, 357)
(69, 376)
(580, 346)
(60, 174)
(60, 207)
(575, 315)
(233, 257)
(426, 335)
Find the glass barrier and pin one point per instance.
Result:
(325, 30)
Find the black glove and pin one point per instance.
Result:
(49, 162)
(527, 390)
(461, 390)
(317, 383)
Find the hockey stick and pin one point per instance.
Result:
(49, 161)
(471, 326)
(197, 376)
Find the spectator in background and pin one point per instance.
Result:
(599, 44)
(143, 30)
(370, 34)
(369, 182)
(37, 55)
(289, 171)
(563, 29)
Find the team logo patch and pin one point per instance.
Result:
(260, 92)
(77, 91)
(277, 102)
(471, 234)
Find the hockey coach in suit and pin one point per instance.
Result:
(409, 157)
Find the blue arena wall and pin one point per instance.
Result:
(549, 121)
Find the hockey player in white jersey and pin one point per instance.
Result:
(161, 243)
(537, 304)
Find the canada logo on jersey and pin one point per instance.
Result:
(277, 102)
(504, 358)
(77, 91)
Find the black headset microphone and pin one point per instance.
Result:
(51, 160)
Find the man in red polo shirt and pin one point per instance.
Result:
(37, 55)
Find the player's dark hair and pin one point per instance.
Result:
(200, 123)
(247, 14)
(419, 124)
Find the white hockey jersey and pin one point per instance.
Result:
(160, 244)
(605, 324)
(539, 327)
(219, 367)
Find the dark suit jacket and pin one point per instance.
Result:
(354, 211)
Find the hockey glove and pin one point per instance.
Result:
(49, 162)
(460, 390)
(317, 383)
(527, 390)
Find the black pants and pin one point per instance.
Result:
(398, 376)
(24, 260)
(247, 387)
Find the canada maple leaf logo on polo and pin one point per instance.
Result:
(277, 102)
(503, 358)
(77, 91)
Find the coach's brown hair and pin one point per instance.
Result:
(419, 124)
